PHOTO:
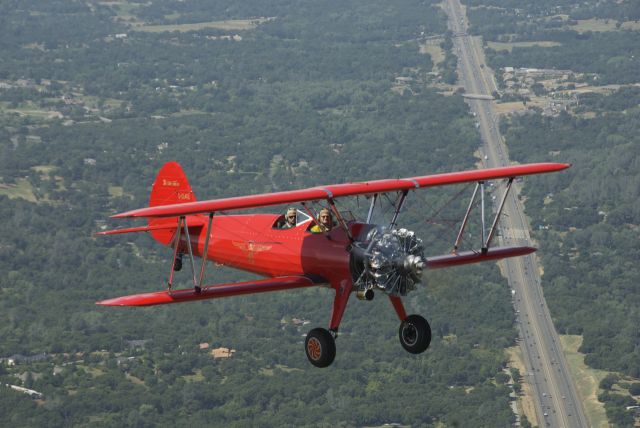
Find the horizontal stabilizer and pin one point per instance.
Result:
(468, 257)
(210, 292)
(136, 229)
(193, 222)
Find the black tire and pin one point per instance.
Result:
(415, 334)
(320, 347)
(177, 267)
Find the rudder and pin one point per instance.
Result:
(170, 187)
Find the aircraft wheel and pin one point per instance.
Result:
(415, 334)
(178, 265)
(320, 347)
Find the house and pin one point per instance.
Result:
(24, 359)
(30, 392)
(222, 352)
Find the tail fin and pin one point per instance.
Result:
(171, 187)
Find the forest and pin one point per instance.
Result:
(93, 101)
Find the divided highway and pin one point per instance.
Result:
(555, 397)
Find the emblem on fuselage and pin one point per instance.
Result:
(250, 248)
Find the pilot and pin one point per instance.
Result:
(325, 222)
(289, 219)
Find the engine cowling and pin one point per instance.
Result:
(390, 260)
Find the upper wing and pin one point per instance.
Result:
(340, 190)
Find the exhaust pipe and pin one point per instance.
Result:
(367, 294)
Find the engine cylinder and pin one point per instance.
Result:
(390, 260)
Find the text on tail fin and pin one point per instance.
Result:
(171, 186)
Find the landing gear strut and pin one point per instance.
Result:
(415, 334)
(320, 347)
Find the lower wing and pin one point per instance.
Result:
(473, 256)
(211, 292)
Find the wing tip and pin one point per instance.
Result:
(133, 300)
(127, 214)
(107, 302)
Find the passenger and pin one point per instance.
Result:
(325, 222)
(289, 219)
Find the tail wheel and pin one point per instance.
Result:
(320, 347)
(415, 334)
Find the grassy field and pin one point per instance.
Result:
(232, 24)
(586, 380)
(498, 46)
(116, 191)
(44, 169)
(196, 377)
(509, 107)
(526, 404)
(122, 7)
(270, 371)
(434, 50)
(36, 113)
(22, 189)
(585, 25)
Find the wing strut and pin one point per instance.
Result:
(176, 244)
(399, 203)
(197, 280)
(204, 253)
(466, 218)
(193, 265)
(341, 221)
(486, 237)
(497, 218)
(373, 203)
(484, 249)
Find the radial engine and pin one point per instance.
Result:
(389, 260)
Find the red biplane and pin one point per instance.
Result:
(353, 257)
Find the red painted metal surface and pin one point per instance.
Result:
(467, 257)
(210, 292)
(339, 190)
(165, 226)
(398, 307)
(251, 243)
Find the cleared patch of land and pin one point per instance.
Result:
(232, 24)
(134, 380)
(270, 371)
(509, 107)
(498, 46)
(196, 377)
(585, 25)
(22, 189)
(604, 89)
(36, 113)
(44, 169)
(433, 49)
(115, 191)
(586, 379)
(123, 8)
(526, 404)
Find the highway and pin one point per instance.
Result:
(555, 397)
